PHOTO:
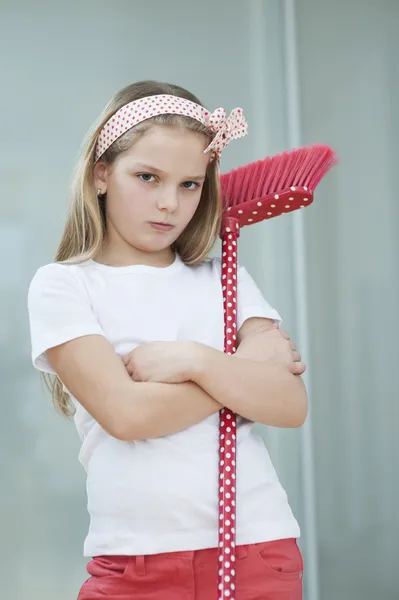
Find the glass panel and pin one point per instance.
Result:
(348, 59)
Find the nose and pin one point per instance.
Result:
(168, 200)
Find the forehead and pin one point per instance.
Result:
(171, 149)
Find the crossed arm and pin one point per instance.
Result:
(260, 382)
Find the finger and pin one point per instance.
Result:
(129, 369)
(138, 379)
(297, 368)
(126, 359)
(285, 334)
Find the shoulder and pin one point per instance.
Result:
(54, 276)
(212, 269)
(214, 265)
(207, 267)
(57, 269)
(250, 299)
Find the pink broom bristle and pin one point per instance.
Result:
(303, 167)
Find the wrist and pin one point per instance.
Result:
(200, 357)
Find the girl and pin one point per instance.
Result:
(128, 323)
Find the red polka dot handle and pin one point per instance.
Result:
(228, 425)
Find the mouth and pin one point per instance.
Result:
(161, 226)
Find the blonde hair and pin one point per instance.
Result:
(85, 227)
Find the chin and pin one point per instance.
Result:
(152, 246)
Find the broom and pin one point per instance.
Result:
(261, 190)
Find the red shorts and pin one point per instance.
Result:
(268, 571)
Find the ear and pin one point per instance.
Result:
(100, 176)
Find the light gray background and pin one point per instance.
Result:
(61, 61)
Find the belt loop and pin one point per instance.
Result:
(140, 565)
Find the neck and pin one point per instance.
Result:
(116, 256)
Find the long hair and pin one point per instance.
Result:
(85, 227)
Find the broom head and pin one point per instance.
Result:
(275, 185)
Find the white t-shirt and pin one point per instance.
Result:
(158, 495)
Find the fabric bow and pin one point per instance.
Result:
(226, 128)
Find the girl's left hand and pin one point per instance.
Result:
(163, 362)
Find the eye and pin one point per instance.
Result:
(190, 185)
(146, 177)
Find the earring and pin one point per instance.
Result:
(99, 193)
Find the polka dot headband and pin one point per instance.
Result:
(226, 128)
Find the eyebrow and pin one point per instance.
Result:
(160, 172)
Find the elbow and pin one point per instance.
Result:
(299, 404)
(121, 431)
(298, 420)
(291, 409)
(125, 430)
(119, 428)
(125, 420)
(128, 427)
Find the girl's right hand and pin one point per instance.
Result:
(272, 346)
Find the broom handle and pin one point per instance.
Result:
(228, 428)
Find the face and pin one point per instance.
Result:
(153, 190)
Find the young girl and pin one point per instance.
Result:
(128, 324)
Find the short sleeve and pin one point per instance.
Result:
(59, 311)
(251, 302)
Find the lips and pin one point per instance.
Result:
(162, 226)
